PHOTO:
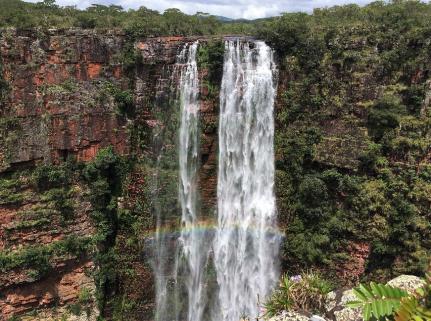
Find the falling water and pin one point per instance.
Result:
(180, 287)
(192, 241)
(225, 273)
(246, 242)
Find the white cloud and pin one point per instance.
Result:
(249, 9)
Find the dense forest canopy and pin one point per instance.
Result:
(143, 21)
(393, 15)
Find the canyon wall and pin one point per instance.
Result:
(89, 118)
(64, 91)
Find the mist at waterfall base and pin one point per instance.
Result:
(221, 266)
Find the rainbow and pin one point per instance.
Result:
(209, 225)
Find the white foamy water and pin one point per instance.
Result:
(180, 256)
(246, 241)
(193, 252)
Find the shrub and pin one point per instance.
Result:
(210, 56)
(62, 201)
(48, 176)
(384, 116)
(125, 104)
(123, 98)
(104, 176)
(39, 257)
(312, 191)
(413, 97)
(306, 292)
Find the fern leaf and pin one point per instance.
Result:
(377, 300)
(366, 291)
(410, 310)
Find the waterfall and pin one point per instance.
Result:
(192, 241)
(246, 240)
(182, 257)
(221, 273)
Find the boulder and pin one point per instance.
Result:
(317, 318)
(409, 283)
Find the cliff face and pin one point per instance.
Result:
(63, 102)
(55, 89)
(53, 109)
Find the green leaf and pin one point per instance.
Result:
(378, 300)
(376, 309)
(354, 304)
(376, 290)
(367, 312)
(365, 291)
(359, 294)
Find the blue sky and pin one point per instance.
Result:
(249, 9)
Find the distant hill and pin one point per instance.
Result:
(224, 19)
(227, 19)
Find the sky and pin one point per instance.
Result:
(248, 9)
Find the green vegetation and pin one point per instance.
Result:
(4, 87)
(210, 57)
(306, 292)
(84, 302)
(104, 177)
(383, 302)
(54, 185)
(46, 177)
(9, 137)
(353, 136)
(39, 258)
(66, 87)
(61, 200)
(352, 149)
(122, 98)
(29, 224)
(378, 300)
(142, 22)
(11, 189)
